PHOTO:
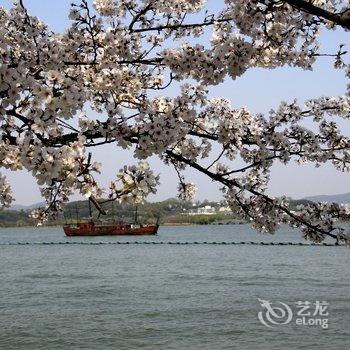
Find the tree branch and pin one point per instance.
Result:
(306, 6)
(230, 182)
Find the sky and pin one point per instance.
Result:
(259, 90)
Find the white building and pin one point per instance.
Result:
(206, 210)
(225, 210)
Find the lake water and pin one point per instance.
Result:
(196, 296)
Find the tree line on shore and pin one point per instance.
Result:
(170, 211)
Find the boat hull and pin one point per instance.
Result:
(115, 230)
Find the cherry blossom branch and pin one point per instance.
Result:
(342, 19)
(230, 182)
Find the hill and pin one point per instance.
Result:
(171, 211)
(332, 198)
(19, 207)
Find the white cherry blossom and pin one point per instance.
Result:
(119, 57)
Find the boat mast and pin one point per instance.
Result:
(77, 212)
(136, 218)
(113, 211)
(90, 212)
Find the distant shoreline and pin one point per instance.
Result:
(168, 224)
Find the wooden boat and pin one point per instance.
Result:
(90, 229)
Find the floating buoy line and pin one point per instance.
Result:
(180, 243)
